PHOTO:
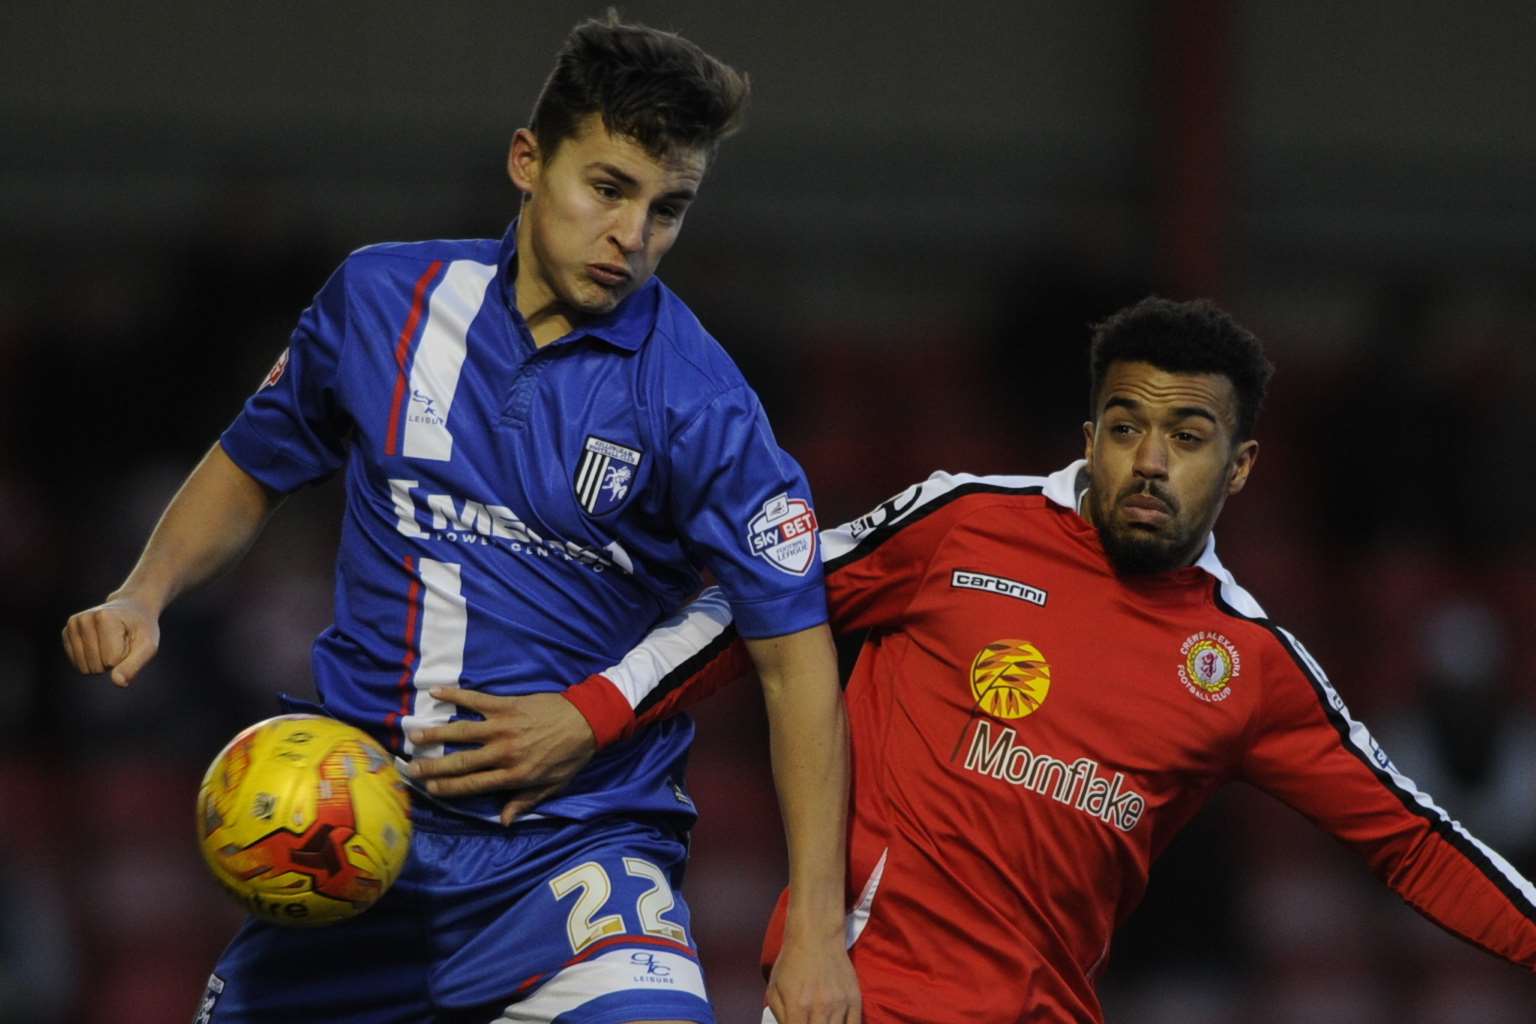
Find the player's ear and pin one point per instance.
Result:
(1088, 440)
(523, 160)
(1242, 464)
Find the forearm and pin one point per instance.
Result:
(212, 520)
(809, 747)
(1470, 891)
(1312, 755)
(679, 663)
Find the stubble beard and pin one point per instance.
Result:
(1134, 553)
(1137, 552)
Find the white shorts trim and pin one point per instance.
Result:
(630, 969)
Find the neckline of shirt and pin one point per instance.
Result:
(626, 327)
(1065, 489)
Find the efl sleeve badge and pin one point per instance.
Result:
(276, 373)
(784, 533)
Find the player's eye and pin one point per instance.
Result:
(668, 214)
(606, 190)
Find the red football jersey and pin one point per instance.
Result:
(1029, 731)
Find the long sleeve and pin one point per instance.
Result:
(1308, 751)
(874, 566)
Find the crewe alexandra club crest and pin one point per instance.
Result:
(784, 533)
(1210, 664)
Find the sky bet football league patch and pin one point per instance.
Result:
(784, 533)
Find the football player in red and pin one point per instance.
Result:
(1058, 674)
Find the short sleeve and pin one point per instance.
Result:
(743, 507)
(292, 431)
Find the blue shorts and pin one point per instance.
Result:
(558, 923)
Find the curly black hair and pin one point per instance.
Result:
(1183, 337)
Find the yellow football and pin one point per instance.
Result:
(304, 820)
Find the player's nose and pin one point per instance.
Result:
(1151, 458)
(628, 229)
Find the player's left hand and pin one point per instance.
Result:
(812, 982)
(532, 745)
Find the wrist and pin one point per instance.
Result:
(813, 921)
(148, 599)
(605, 709)
(815, 932)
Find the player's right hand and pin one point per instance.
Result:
(813, 982)
(118, 636)
(530, 746)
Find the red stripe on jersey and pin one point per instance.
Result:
(593, 950)
(407, 660)
(402, 351)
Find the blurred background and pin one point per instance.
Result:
(930, 204)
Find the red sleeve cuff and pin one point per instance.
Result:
(604, 707)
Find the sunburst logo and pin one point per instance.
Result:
(1010, 679)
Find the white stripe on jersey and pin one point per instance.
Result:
(671, 644)
(614, 972)
(858, 917)
(440, 357)
(1359, 736)
(1362, 740)
(444, 626)
(843, 539)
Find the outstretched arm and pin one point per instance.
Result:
(1310, 753)
(208, 525)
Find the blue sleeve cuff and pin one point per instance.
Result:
(781, 614)
(272, 466)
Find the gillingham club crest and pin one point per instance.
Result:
(605, 475)
(784, 533)
(1210, 664)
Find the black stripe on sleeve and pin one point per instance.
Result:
(1438, 823)
(687, 670)
(897, 516)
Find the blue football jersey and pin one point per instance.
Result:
(518, 518)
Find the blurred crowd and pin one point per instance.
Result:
(1389, 525)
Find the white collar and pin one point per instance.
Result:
(1061, 489)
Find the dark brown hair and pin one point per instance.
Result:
(653, 87)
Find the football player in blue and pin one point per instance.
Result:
(542, 451)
